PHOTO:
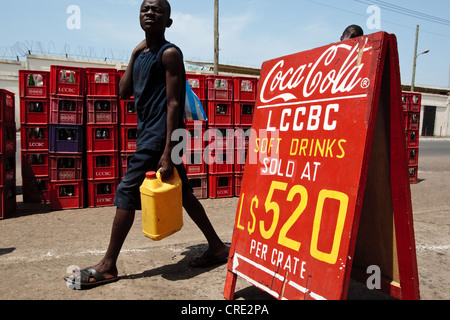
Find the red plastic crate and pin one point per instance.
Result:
(101, 193)
(102, 165)
(66, 110)
(196, 135)
(128, 114)
(243, 113)
(413, 120)
(406, 101)
(194, 162)
(416, 102)
(221, 161)
(36, 189)
(406, 120)
(242, 134)
(221, 185)
(66, 166)
(8, 169)
(413, 156)
(413, 174)
(198, 84)
(7, 138)
(67, 81)
(239, 161)
(34, 111)
(102, 82)
(67, 194)
(125, 158)
(102, 109)
(33, 138)
(412, 138)
(218, 137)
(220, 88)
(199, 183)
(102, 137)
(34, 84)
(128, 138)
(245, 89)
(220, 113)
(7, 201)
(35, 164)
(238, 184)
(7, 106)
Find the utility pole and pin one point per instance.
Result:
(415, 60)
(216, 37)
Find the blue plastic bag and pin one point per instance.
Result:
(193, 109)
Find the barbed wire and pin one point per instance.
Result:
(21, 49)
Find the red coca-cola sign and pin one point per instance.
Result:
(302, 188)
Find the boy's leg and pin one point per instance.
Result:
(127, 196)
(197, 213)
(122, 224)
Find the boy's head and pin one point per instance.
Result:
(155, 15)
(352, 31)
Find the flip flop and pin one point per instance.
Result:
(208, 260)
(81, 280)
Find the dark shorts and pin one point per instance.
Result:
(128, 196)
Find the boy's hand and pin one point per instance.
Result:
(165, 167)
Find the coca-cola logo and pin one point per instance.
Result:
(317, 77)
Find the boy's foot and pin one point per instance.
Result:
(208, 259)
(89, 278)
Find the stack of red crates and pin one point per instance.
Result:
(66, 137)
(411, 110)
(7, 154)
(102, 132)
(245, 89)
(193, 158)
(221, 155)
(128, 130)
(217, 149)
(34, 87)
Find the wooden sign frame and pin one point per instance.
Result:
(287, 241)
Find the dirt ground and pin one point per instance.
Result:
(39, 247)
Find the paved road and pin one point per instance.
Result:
(38, 246)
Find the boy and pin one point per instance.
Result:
(156, 77)
(352, 31)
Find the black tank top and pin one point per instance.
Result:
(149, 83)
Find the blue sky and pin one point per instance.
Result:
(251, 31)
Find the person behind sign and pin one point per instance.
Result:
(156, 76)
(352, 31)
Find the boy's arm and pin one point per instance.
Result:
(126, 83)
(173, 64)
